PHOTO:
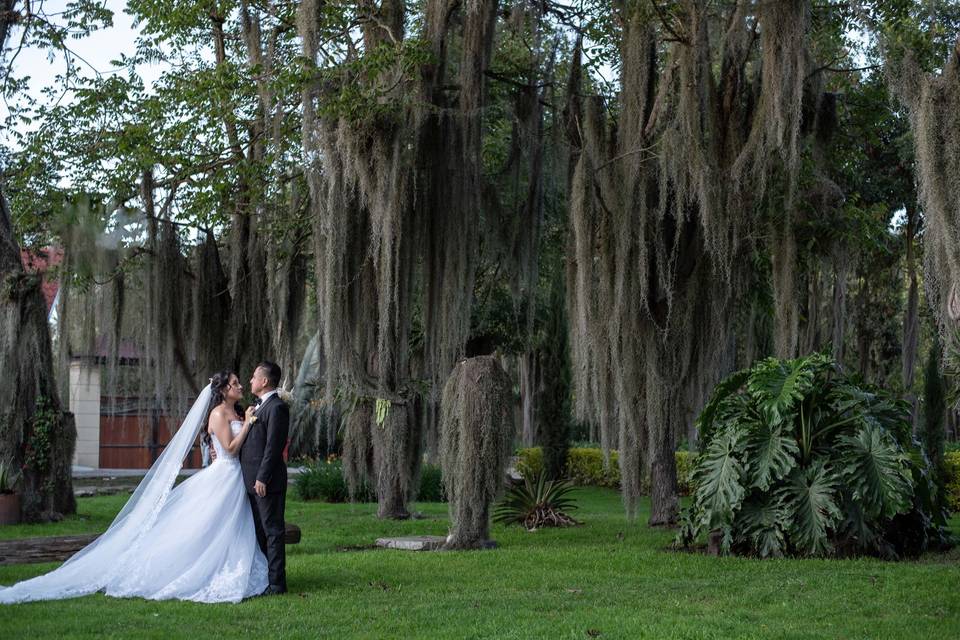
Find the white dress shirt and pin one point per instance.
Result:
(265, 397)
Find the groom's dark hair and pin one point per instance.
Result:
(272, 372)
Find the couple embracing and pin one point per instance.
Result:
(216, 537)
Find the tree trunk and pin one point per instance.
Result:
(840, 270)
(476, 440)
(528, 389)
(664, 503)
(37, 438)
(811, 341)
(553, 397)
(396, 460)
(911, 321)
(392, 504)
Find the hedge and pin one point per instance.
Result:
(585, 467)
(323, 480)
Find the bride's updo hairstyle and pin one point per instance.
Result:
(218, 390)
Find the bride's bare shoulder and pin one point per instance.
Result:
(219, 414)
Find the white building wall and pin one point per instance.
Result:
(85, 406)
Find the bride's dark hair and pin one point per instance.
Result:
(218, 391)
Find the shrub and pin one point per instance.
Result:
(431, 484)
(325, 481)
(797, 459)
(951, 468)
(530, 462)
(685, 463)
(585, 467)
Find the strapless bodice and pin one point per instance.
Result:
(235, 427)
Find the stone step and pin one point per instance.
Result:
(413, 543)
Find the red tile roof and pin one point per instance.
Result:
(40, 262)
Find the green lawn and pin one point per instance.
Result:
(609, 579)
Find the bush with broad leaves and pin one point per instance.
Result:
(797, 459)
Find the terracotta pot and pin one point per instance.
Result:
(9, 508)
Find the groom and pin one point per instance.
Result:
(264, 472)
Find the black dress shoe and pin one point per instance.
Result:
(273, 591)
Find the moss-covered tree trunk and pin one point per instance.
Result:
(395, 198)
(36, 435)
(476, 433)
(665, 203)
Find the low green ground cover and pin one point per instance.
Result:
(609, 578)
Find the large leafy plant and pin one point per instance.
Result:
(797, 459)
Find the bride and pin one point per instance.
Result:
(194, 542)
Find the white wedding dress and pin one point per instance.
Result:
(195, 542)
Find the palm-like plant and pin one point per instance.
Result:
(536, 503)
(797, 459)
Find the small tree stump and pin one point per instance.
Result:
(713, 542)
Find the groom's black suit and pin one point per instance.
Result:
(261, 458)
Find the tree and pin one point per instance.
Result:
(703, 158)
(184, 222)
(476, 433)
(924, 71)
(395, 184)
(36, 435)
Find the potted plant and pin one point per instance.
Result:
(9, 500)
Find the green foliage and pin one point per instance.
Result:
(585, 467)
(324, 481)
(431, 484)
(42, 425)
(530, 462)
(536, 503)
(685, 465)
(797, 459)
(951, 472)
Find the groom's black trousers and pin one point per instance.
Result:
(268, 520)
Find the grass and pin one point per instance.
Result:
(609, 578)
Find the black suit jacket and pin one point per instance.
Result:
(261, 456)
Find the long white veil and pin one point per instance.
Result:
(90, 569)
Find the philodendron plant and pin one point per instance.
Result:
(798, 459)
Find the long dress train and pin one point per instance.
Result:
(193, 542)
